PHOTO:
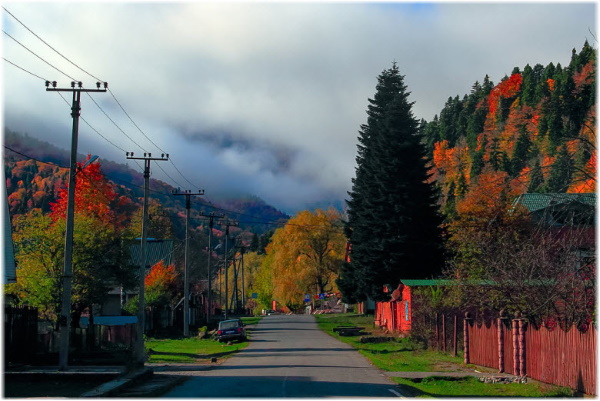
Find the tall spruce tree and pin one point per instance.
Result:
(393, 219)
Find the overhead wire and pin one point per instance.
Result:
(32, 52)
(47, 44)
(111, 93)
(112, 121)
(23, 69)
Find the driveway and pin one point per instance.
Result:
(289, 356)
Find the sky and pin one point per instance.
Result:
(259, 98)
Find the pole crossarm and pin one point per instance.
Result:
(75, 87)
(186, 283)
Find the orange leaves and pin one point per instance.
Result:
(550, 83)
(306, 254)
(486, 196)
(161, 276)
(587, 178)
(505, 89)
(585, 76)
(93, 195)
(442, 155)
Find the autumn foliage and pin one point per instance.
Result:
(160, 284)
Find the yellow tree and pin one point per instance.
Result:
(306, 255)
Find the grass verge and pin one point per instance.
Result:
(403, 355)
(400, 355)
(193, 349)
(435, 387)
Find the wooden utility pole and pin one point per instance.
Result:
(64, 320)
(228, 223)
(139, 354)
(186, 279)
(211, 218)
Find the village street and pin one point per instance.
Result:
(289, 356)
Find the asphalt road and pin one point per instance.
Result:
(289, 356)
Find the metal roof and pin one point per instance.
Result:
(156, 250)
(421, 283)
(537, 201)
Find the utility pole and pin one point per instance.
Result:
(228, 223)
(186, 279)
(65, 312)
(211, 218)
(242, 251)
(236, 273)
(139, 356)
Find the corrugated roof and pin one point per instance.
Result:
(429, 283)
(420, 283)
(156, 250)
(536, 201)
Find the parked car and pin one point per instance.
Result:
(232, 329)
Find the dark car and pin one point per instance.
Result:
(232, 329)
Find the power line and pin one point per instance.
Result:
(23, 69)
(32, 52)
(112, 94)
(115, 124)
(46, 43)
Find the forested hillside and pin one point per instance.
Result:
(532, 132)
(34, 178)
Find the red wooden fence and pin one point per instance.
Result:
(551, 356)
(483, 345)
(563, 358)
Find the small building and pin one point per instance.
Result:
(396, 315)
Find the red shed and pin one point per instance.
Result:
(396, 314)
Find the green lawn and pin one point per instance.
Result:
(193, 350)
(402, 355)
(435, 387)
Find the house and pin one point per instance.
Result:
(156, 250)
(559, 210)
(566, 216)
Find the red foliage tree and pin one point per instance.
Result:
(93, 195)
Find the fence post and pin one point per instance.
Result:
(501, 342)
(437, 333)
(444, 332)
(515, 338)
(467, 321)
(522, 350)
(455, 338)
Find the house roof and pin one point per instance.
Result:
(156, 250)
(423, 283)
(441, 282)
(537, 201)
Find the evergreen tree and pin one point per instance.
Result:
(520, 153)
(393, 219)
(536, 179)
(560, 173)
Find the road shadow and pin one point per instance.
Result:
(275, 387)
